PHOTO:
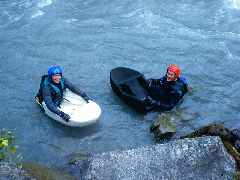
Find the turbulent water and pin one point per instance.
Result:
(88, 38)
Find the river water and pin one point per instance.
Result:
(88, 38)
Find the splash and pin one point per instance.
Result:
(40, 5)
(44, 3)
(38, 13)
(235, 4)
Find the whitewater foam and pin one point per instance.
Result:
(38, 13)
(44, 3)
(235, 4)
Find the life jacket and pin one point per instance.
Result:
(55, 88)
(45, 82)
(164, 90)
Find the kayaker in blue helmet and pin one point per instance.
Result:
(51, 91)
(167, 91)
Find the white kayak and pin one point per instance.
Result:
(81, 112)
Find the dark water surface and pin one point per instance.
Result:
(89, 38)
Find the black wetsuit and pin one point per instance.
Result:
(167, 93)
(52, 93)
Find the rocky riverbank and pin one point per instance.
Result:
(200, 158)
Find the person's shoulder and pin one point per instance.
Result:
(45, 82)
(43, 77)
(183, 80)
(162, 79)
(65, 80)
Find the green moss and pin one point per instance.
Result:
(39, 171)
(162, 127)
(226, 137)
(7, 145)
(233, 151)
(81, 156)
(236, 175)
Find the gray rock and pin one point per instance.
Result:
(9, 170)
(200, 158)
(42, 172)
(162, 127)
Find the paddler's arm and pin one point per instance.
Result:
(74, 89)
(155, 82)
(133, 97)
(176, 96)
(48, 101)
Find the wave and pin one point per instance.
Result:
(37, 13)
(40, 5)
(235, 4)
(21, 10)
(44, 3)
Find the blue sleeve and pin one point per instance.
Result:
(74, 89)
(185, 83)
(46, 92)
(183, 79)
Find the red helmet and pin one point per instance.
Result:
(174, 68)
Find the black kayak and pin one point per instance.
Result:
(132, 87)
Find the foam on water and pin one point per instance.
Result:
(40, 5)
(235, 4)
(38, 13)
(44, 3)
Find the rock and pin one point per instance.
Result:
(200, 158)
(9, 170)
(229, 138)
(237, 175)
(75, 158)
(78, 164)
(212, 130)
(162, 127)
(38, 171)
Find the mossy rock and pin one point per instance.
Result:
(233, 151)
(226, 136)
(44, 173)
(236, 175)
(76, 157)
(162, 127)
(212, 130)
(7, 145)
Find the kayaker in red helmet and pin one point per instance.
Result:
(168, 90)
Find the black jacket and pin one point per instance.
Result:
(167, 93)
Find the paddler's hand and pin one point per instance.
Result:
(86, 98)
(149, 101)
(65, 116)
(152, 102)
(150, 82)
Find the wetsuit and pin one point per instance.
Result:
(167, 93)
(52, 93)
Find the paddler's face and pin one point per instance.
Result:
(56, 78)
(171, 76)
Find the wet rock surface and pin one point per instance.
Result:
(163, 128)
(38, 171)
(78, 164)
(230, 139)
(9, 170)
(212, 130)
(199, 158)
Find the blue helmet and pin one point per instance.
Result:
(54, 70)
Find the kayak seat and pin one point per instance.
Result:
(126, 89)
(135, 88)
